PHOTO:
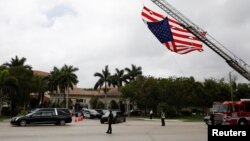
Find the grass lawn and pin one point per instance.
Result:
(3, 118)
(191, 118)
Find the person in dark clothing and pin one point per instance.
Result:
(151, 114)
(162, 119)
(110, 120)
(212, 118)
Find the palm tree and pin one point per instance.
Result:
(133, 72)
(40, 86)
(104, 79)
(7, 83)
(53, 81)
(16, 62)
(119, 78)
(23, 73)
(131, 75)
(3, 75)
(68, 79)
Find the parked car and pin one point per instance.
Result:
(101, 111)
(135, 112)
(57, 116)
(91, 113)
(118, 116)
(78, 114)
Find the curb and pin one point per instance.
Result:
(146, 119)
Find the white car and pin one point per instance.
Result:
(91, 113)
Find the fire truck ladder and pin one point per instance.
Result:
(232, 60)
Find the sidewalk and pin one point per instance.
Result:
(154, 119)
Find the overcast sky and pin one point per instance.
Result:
(89, 34)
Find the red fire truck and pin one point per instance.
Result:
(232, 113)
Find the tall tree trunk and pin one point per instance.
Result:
(64, 99)
(105, 93)
(42, 99)
(58, 98)
(67, 99)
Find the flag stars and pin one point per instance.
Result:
(161, 30)
(171, 33)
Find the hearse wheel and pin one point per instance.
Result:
(62, 122)
(23, 123)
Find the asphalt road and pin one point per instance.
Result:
(92, 130)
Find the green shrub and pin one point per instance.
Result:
(6, 111)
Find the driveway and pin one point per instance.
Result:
(92, 130)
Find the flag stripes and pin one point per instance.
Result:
(183, 41)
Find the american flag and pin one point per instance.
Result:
(170, 33)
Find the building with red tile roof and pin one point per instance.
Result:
(81, 94)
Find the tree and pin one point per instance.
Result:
(135, 92)
(243, 91)
(62, 79)
(53, 81)
(175, 94)
(16, 62)
(131, 75)
(3, 77)
(166, 95)
(68, 79)
(104, 79)
(211, 91)
(94, 102)
(39, 85)
(133, 72)
(199, 98)
(6, 83)
(114, 105)
(100, 105)
(120, 78)
(23, 75)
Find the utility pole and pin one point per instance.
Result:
(231, 87)
(231, 90)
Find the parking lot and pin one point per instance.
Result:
(92, 130)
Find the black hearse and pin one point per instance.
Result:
(57, 116)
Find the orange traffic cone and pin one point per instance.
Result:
(76, 119)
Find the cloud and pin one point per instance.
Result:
(92, 34)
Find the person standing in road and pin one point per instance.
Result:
(110, 120)
(151, 114)
(162, 118)
(212, 118)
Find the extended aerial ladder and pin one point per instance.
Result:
(232, 60)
